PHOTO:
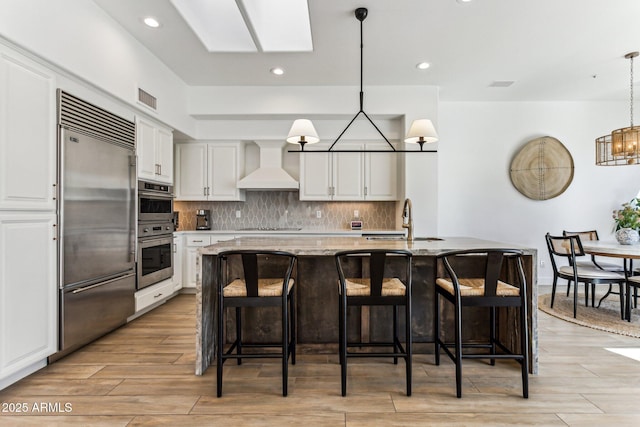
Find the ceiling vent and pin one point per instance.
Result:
(147, 99)
(501, 83)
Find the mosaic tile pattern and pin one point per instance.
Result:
(283, 209)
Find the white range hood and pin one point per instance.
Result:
(270, 175)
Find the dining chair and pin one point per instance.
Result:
(568, 248)
(259, 286)
(375, 277)
(473, 279)
(592, 235)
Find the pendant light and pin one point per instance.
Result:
(302, 131)
(621, 146)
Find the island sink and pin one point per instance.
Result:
(403, 238)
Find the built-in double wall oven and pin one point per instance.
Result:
(155, 233)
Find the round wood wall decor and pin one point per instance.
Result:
(542, 169)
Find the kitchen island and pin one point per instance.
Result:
(316, 288)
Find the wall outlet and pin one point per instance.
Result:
(356, 214)
(318, 214)
(238, 214)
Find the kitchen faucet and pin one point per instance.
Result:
(407, 219)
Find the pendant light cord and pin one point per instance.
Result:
(361, 14)
(361, 72)
(631, 91)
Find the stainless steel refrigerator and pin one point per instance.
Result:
(96, 189)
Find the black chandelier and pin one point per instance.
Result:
(303, 132)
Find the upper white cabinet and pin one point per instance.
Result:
(349, 176)
(154, 147)
(27, 134)
(209, 171)
(315, 175)
(380, 174)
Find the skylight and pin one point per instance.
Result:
(249, 25)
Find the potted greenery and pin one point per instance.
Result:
(627, 222)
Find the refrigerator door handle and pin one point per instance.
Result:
(97, 285)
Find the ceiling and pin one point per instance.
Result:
(551, 49)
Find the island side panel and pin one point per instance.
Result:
(317, 300)
(205, 313)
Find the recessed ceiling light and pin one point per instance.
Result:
(277, 71)
(151, 22)
(464, 1)
(423, 65)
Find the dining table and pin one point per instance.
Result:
(613, 249)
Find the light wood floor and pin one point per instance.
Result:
(142, 374)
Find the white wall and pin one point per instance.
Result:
(478, 141)
(80, 38)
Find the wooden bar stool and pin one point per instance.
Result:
(473, 280)
(255, 290)
(375, 290)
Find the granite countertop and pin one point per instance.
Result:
(328, 246)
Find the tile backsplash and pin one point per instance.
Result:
(284, 209)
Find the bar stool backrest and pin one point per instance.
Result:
(378, 261)
(492, 260)
(250, 267)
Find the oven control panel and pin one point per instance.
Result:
(150, 229)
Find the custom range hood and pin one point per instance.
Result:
(270, 175)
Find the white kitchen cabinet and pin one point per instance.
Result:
(160, 292)
(209, 171)
(380, 174)
(177, 261)
(27, 134)
(28, 291)
(154, 147)
(193, 242)
(349, 176)
(315, 174)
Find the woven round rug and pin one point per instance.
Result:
(604, 318)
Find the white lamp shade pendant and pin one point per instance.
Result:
(421, 131)
(302, 132)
